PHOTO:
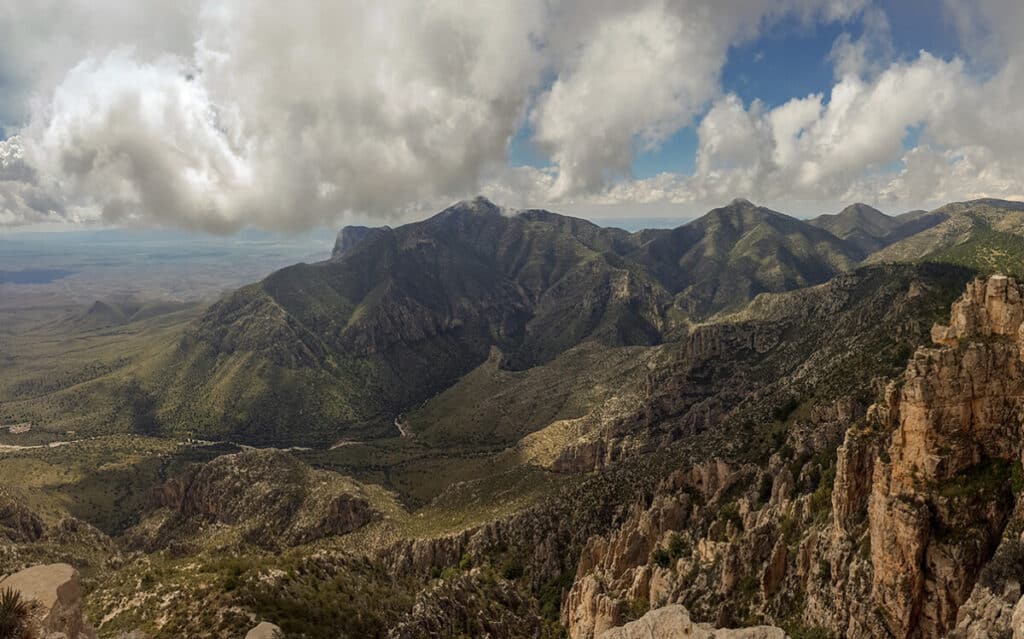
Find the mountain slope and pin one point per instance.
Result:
(961, 222)
(397, 315)
(735, 252)
(340, 348)
(870, 230)
(860, 224)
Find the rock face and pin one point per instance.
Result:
(987, 614)
(352, 236)
(674, 621)
(58, 597)
(940, 498)
(919, 533)
(265, 630)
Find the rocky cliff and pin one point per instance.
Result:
(944, 488)
(907, 525)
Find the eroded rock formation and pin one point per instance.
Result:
(919, 533)
(940, 497)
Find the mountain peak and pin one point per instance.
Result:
(741, 211)
(479, 204)
(859, 209)
(352, 236)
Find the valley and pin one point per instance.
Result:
(518, 423)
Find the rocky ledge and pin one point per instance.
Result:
(56, 597)
(674, 621)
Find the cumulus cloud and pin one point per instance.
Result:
(218, 114)
(221, 113)
(818, 151)
(41, 40)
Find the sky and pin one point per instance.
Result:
(219, 115)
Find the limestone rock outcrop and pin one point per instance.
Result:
(674, 621)
(988, 614)
(265, 630)
(940, 498)
(1017, 620)
(57, 597)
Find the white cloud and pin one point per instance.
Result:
(869, 53)
(645, 74)
(287, 118)
(815, 153)
(217, 114)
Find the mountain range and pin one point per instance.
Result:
(319, 352)
(514, 423)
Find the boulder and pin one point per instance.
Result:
(674, 621)
(265, 630)
(58, 598)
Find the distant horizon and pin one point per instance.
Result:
(624, 222)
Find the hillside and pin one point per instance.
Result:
(869, 229)
(733, 253)
(985, 222)
(320, 351)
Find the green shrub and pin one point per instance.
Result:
(660, 557)
(676, 546)
(512, 569)
(731, 512)
(797, 630)
(15, 614)
(550, 595)
(449, 572)
(637, 608)
(782, 412)
(1016, 477)
(984, 478)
